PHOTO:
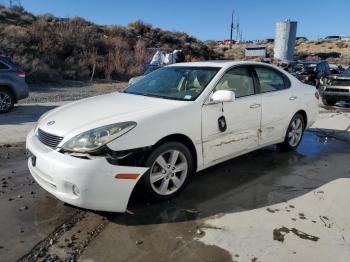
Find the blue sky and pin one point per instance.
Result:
(208, 19)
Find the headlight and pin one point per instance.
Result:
(92, 140)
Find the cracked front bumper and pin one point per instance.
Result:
(86, 183)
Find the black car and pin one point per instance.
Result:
(337, 88)
(311, 72)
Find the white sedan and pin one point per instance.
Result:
(174, 122)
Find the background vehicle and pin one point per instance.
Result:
(156, 58)
(332, 38)
(337, 88)
(149, 69)
(12, 84)
(311, 72)
(175, 121)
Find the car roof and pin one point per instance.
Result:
(218, 63)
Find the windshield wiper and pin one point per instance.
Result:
(154, 95)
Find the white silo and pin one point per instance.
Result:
(286, 33)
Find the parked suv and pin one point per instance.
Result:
(337, 88)
(12, 84)
(312, 72)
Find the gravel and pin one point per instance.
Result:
(68, 91)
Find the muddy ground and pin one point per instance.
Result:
(35, 226)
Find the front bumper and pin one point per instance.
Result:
(94, 179)
(337, 93)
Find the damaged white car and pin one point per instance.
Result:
(159, 131)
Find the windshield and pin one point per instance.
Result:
(179, 83)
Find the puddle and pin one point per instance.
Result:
(253, 180)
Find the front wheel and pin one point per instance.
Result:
(171, 165)
(294, 133)
(6, 100)
(328, 102)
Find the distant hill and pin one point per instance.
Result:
(334, 51)
(53, 49)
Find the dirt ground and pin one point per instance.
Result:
(69, 91)
(38, 227)
(263, 206)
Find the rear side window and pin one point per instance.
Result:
(238, 80)
(271, 80)
(3, 66)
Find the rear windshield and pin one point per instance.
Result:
(8, 61)
(3, 66)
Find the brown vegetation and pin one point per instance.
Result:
(52, 49)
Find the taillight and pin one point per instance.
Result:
(20, 73)
(317, 95)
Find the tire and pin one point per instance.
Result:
(7, 100)
(161, 181)
(328, 102)
(294, 130)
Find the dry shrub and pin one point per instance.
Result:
(51, 48)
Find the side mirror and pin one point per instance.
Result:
(221, 96)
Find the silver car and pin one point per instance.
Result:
(12, 84)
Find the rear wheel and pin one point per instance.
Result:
(328, 102)
(7, 100)
(294, 133)
(171, 165)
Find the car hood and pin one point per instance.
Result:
(340, 77)
(97, 111)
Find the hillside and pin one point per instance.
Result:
(335, 52)
(53, 49)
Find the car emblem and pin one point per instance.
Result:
(50, 123)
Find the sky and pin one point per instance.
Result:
(208, 19)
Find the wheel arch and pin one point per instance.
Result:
(183, 139)
(304, 115)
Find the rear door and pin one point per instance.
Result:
(278, 103)
(242, 117)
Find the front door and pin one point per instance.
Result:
(242, 118)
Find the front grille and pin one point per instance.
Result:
(340, 82)
(49, 139)
(330, 89)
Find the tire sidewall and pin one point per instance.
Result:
(153, 156)
(285, 146)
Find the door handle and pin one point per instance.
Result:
(255, 105)
(293, 97)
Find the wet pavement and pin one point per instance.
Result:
(35, 226)
(28, 214)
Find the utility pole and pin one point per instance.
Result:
(237, 29)
(232, 27)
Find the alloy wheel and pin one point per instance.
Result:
(168, 172)
(295, 132)
(5, 101)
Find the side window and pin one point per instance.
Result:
(270, 79)
(3, 66)
(238, 80)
